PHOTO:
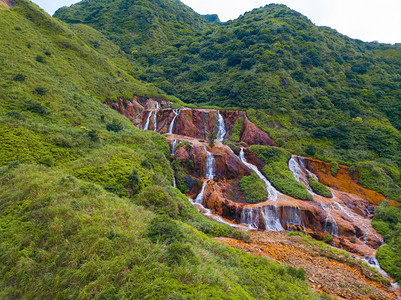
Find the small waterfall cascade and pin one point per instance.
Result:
(174, 144)
(273, 193)
(271, 218)
(250, 217)
(221, 128)
(155, 116)
(171, 127)
(295, 168)
(330, 225)
(291, 215)
(210, 165)
(146, 127)
(174, 182)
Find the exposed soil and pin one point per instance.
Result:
(7, 3)
(334, 272)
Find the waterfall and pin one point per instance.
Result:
(250, 217)
(174, 144)
(210, 164)
(271, 218)
(330, 225)
(170, 129)
(174, 182)
(273, 193)
(293, 217)
(295, 168)
(147, 121)
(221, 128)
(155, 116)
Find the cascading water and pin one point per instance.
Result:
(273, 193)
(155, 116)
(171, 127)
(147, 121)
(295, 168)
(291, 215)
(210, 164)
(250, 217)
(174, 144)
(271, 218)
(174, 182)
(221, 128)
(330, 225)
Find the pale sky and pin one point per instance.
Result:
(367, 20)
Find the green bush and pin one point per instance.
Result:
(164, 230)
(278, 173)
(334, 168)
(40, 58)
(156, 199)
(319, 188)
(328, 238)
(390, 261)
(47, 160)
(19, 77)
(233, 146)
(115, 126)
(375, 177)
(352, 240)
(235, 136)
(254, 189)
(178, 253)
(36, 107)
(40, 90)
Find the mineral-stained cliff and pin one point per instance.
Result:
(196, 123)
(346, 216)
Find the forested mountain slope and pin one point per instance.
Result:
(73, 173)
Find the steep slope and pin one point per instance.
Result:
(62, 151)
(138, 25)
(317, 92)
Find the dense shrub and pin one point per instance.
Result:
(278, 173)
(254, 189)
(233, 146)
(19, 77)
(373, 176)
(178, 253)
(237, 129)
(36, 107)
(115, 126)
(328, 238)
(164, 230)
(40, 58)
(334, 168)
(40, 90)
(319, 188)
(158, 200)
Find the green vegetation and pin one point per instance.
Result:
(328, 238)
(66, 238)
(334, 168)
(314, 90)
(254, 188)
(387, 222)
(319, 188)
(381, 178)
(278, 173)
(235, 136)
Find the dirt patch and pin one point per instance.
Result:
(327, 270)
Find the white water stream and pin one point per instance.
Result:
(171, 127)
(221, 128)
(272, 192)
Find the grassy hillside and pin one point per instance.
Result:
(87, 207)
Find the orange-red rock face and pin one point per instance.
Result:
(345, 216)
(195, 123)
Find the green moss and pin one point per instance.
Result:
(235, 137)
(278, 173)
(334, 168)
(319, 188)
(254, 189)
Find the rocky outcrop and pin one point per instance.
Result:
(194, 123)
(343, 180)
